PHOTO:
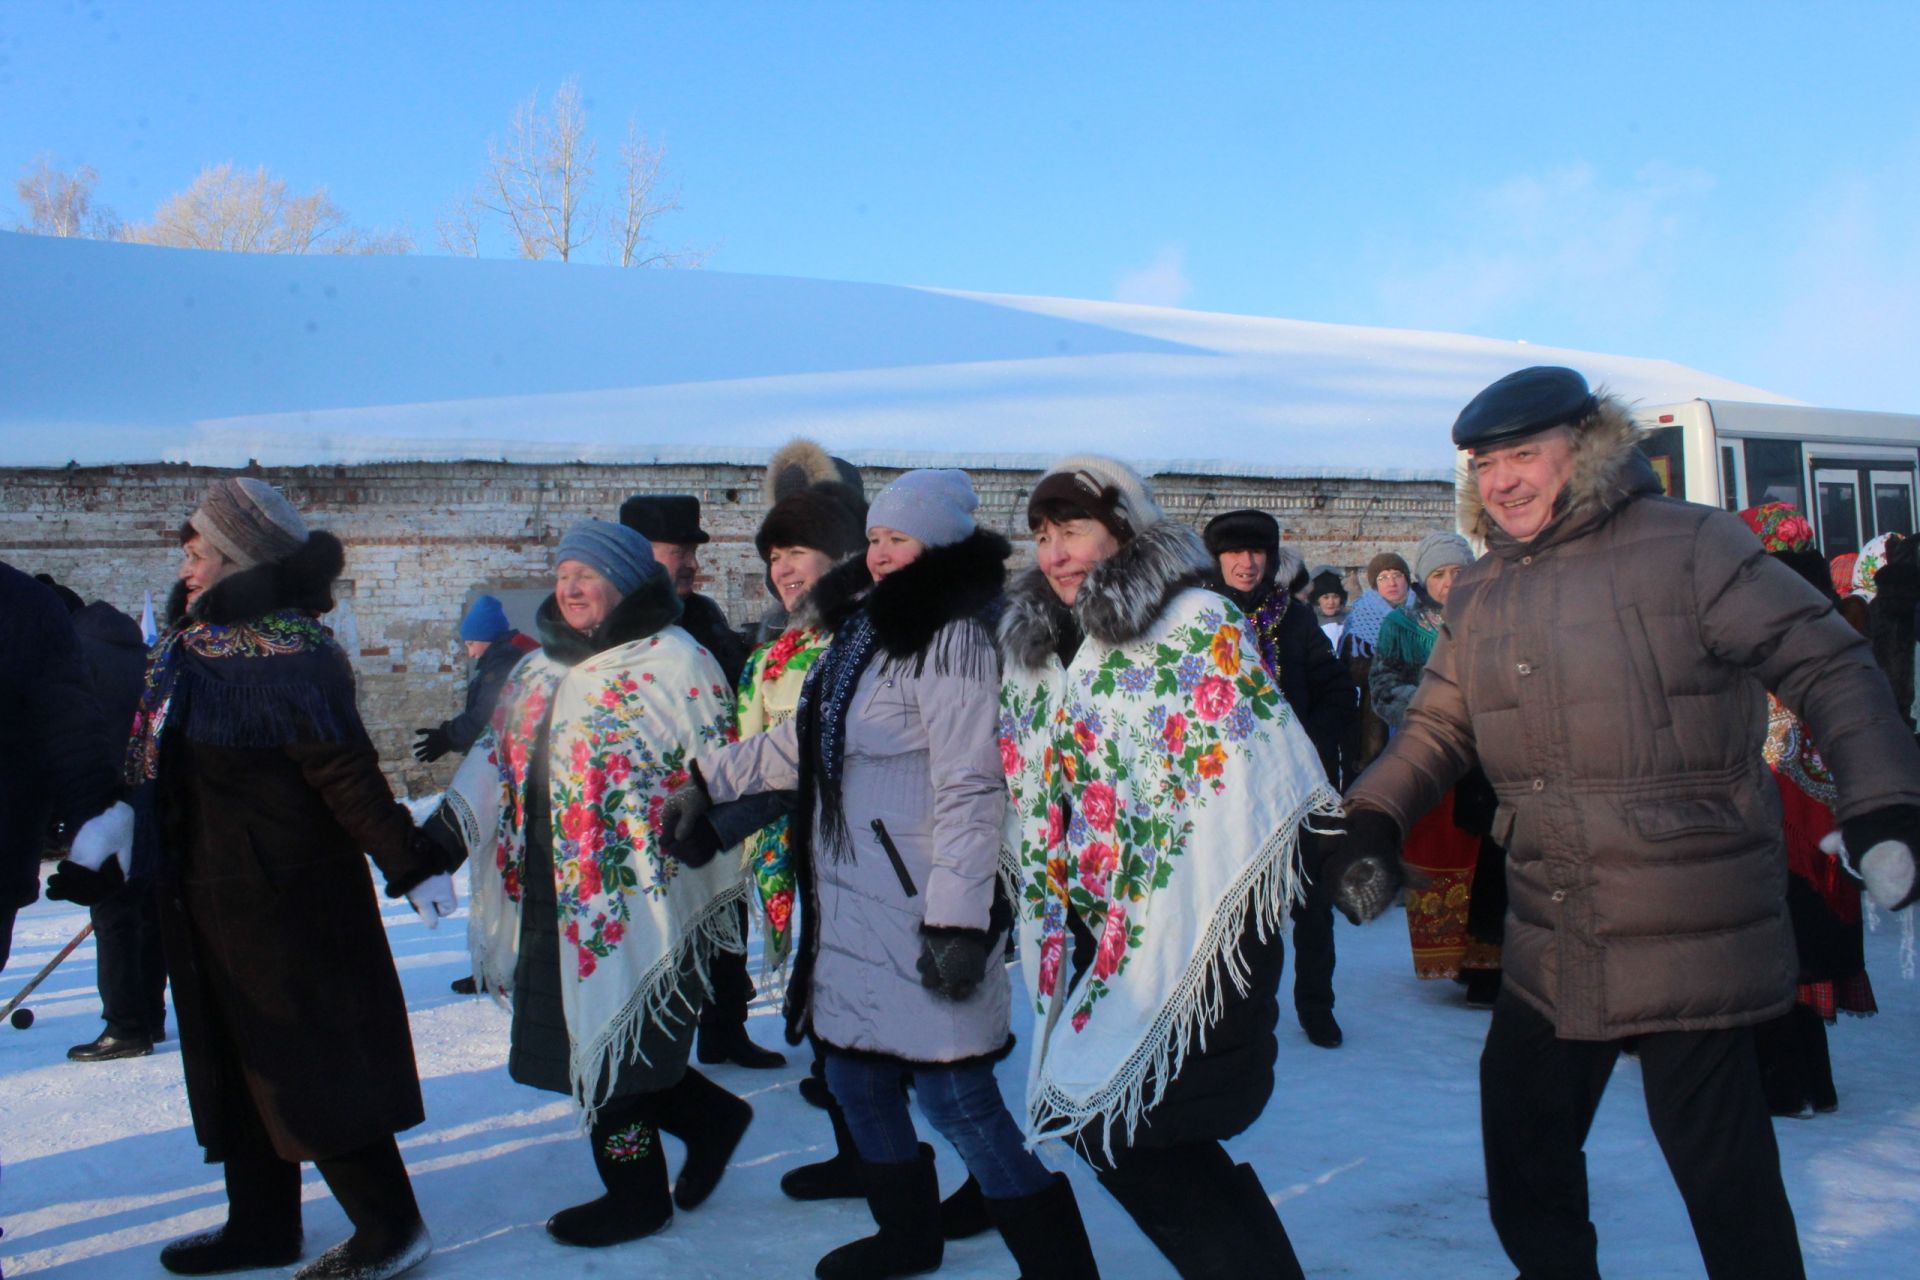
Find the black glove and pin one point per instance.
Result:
(697, 850)
(71, 882)
(426, 858)
(1879, 849)
(952, 960)
(1361, 866)
(431, 744)
(684, 810)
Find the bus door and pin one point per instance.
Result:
(1857, 499)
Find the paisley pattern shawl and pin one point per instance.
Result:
(1159, 787)
(623, 724)
(769, 693)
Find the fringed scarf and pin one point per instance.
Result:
(825, 700)
(769, 694)
(267, 682)
(1407, 636)
(1363, 624)
(1159, 788)
(621, 726)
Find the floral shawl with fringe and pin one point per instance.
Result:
(624, 724)
(769, 693)
(1159, 787)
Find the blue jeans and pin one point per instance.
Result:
(963, 1103)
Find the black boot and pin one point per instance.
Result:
(963, 1214)
(711, 1122)
(263, 1222)
(633, 1168)
(1208, 1217)
(729, 1042)
(388, 1238)
(1267, 1234)
(109, 1047)
(834, 1179)
(1045, 1234)
(1816, 1064)
(905, 1202)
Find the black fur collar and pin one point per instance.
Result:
(1120, 600)
(653, 606)
(304, 580)
(908, 607)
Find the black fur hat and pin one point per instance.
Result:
(1244, 530)
(813, 500)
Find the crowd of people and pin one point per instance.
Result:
(1630, 768)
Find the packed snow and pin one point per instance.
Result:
(1371, 1151)
(115, 353)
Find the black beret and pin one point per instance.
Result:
(1522, 403)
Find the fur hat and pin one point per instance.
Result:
(1380, 564)
(249, 521)
(1097, 488)
(935, 505)
(1245, 530)
(1438, 550)
(812, 501)
(617, 552)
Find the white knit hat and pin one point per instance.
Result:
(1111, 491)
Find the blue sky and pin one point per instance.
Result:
(1733, 186)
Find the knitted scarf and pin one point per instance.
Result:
(1408, 636)
(769, 694)
(1363, 623)
(822, 720)
(1158, 787)
(623, 724)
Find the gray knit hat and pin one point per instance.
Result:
(935, 506)
(1438, 550)
(620, 554)
(249, 521)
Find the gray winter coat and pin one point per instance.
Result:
(1610, 677)
(921, 765)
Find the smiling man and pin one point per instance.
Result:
(1605, 664)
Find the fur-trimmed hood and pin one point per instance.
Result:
(909, 606)
(1118, 602)
(304, 580)
(1609, 470)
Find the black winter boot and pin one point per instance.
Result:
(1268, 1235)
(388, 1238)
(905, 1201)
(1816, 1064)
(834, 1179)
(963, 1214)
(1208, 1217)
(633, 1168)
(263, 1222)
(711, 1122)
(1045, 1234)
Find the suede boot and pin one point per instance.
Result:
(263, 1221)
(1045, 1234)
(711, 1122)
(963, 1214)
(633, 1168)
(835, 1179)
(1208, 1217)
(905, 1202)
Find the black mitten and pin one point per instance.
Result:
(1362, 867)
(71, 882)
(952, 960)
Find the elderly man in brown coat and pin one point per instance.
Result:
(1606, 664)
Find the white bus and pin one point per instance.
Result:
(1853, 474)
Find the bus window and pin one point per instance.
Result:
(1773, 473)
(1665, 450)
(1839, 512)
(1893, 502)
(1730, 479)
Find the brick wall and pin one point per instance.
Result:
(422, 537)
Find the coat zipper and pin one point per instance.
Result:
(893, 856)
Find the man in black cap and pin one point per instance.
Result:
(671, 522)
(1605, 664)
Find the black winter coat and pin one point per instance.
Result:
(702, 619)
(116, 655)
(57, 761)
(1315, 683)
(283, 983)
(483, 691)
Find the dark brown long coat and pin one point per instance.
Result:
(283, 983)
(1610, 678)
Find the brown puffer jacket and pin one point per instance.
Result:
(1609, 676)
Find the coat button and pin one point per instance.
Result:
(1559, 895)
(1524, 668)
(1526, 559)
(1539, 784)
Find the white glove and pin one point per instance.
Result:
(108, 834)
(1887, 869)
(434, 898)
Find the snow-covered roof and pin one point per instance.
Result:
(128, 353)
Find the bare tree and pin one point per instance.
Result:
(59, 203)
(458, 229)
(254, 212)
(643, 201)
(538, 179)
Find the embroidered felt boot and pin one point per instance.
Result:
(263, 1221)
(633, 1168)
(905, 1202)
(711, 1122)
(834, 1179)
(1045, 1234)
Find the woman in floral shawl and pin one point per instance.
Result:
(1822, 899)
(602, 940)
(1159, 787)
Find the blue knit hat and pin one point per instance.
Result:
(486, 621)
(621, 555)
(935, 506)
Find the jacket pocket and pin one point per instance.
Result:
(893, 856)
(1672, 819)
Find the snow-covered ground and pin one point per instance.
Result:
(1371, 1151)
